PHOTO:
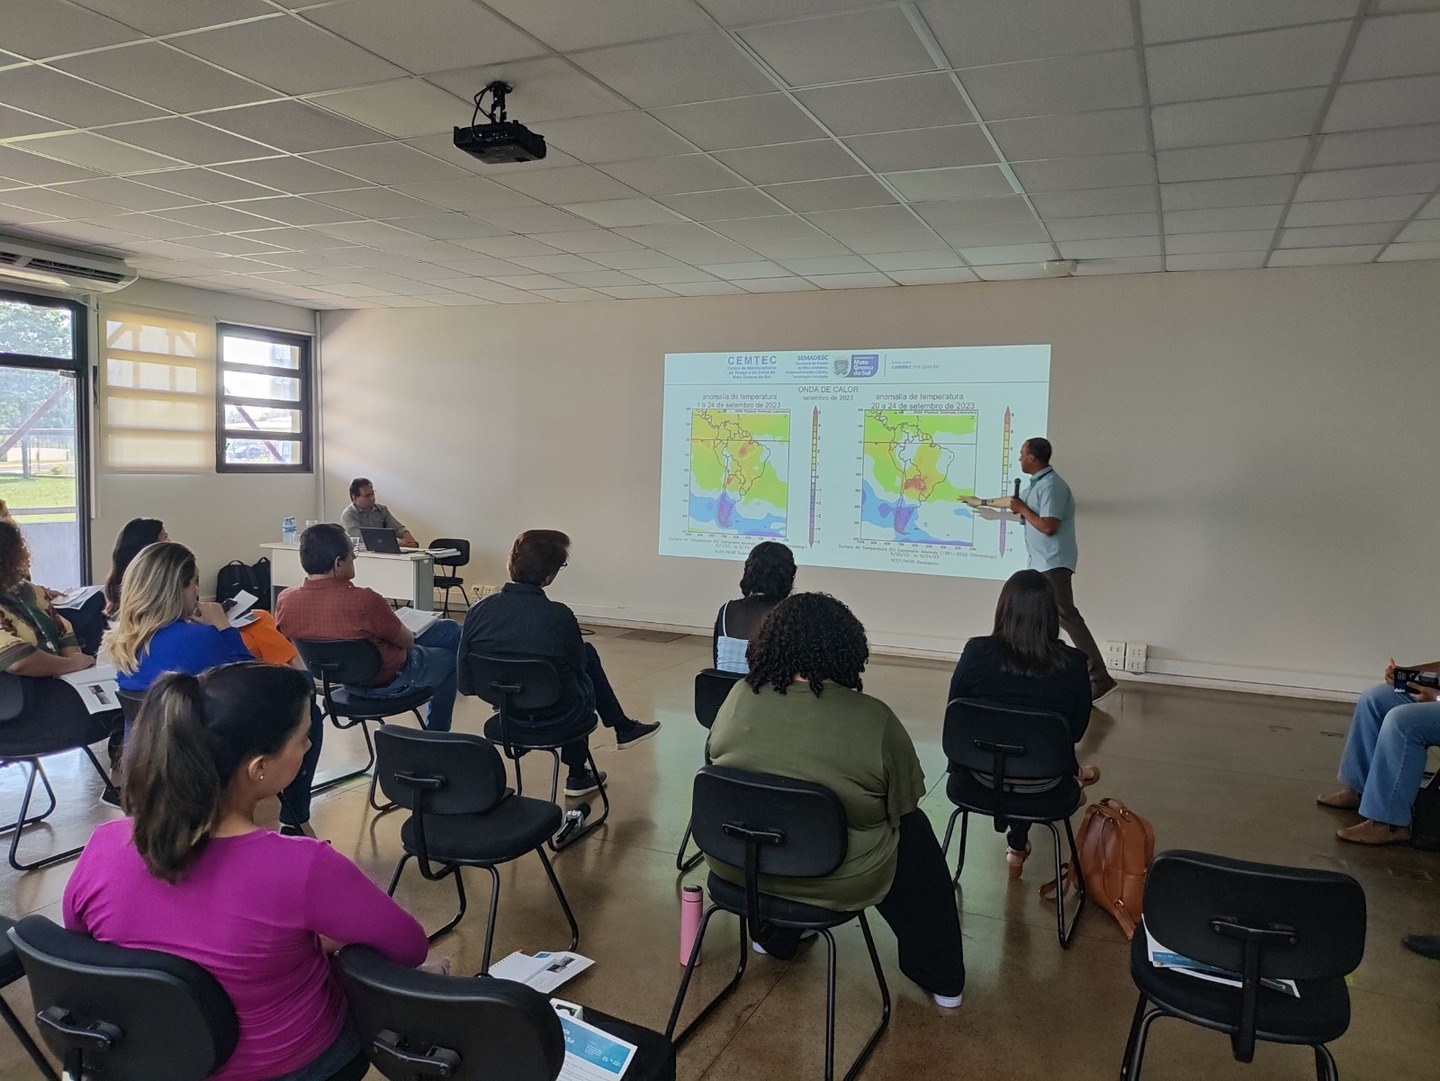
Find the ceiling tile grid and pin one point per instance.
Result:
(302, 151)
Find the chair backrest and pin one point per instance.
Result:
(1007, 742)
(514, 684)
(460, 544)
(341, 660)
(416, 1024)
(795, 829)
(1260, 920)
(127, 1015)
(443, 773)
(712, 687)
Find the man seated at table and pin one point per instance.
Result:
(520, 621)
(364, 513)
(329, 605)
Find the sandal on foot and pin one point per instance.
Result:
(1016, 860)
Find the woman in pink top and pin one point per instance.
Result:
(190, 873)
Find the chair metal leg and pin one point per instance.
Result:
(1325, 1064)
(395, 878)
(36, 1056)
(1137, 1053)
(681, 863)
(454, 871)
(560, 894)
(589, 827)
(490, 923)
(349, 775)
(725, 992)
(22, 822)
(1130, 1040)
(864, 1054)
(36, 769)
(1066, 933)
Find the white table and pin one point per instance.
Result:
(409, 576)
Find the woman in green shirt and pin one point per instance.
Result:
(800, 713)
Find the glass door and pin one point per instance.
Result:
(42, 435)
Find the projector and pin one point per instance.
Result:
(499, 143)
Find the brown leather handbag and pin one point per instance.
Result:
(1115, 847)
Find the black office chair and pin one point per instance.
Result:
(417, 1025)
(522, 687)
(712, 687)
(462, 815)
(1261, 922)
(336, 663)
(773, 826)
(999, 759)
(10, 971)
(116, 1014)
(446, 566)
(40, 716)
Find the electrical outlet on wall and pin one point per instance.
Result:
(481, 591)
(1115, 656)
(1135, 654)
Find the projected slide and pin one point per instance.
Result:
(854, 458)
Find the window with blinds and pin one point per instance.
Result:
(158, 374)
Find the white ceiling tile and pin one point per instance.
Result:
(294, 175)
(1245, 63)
(1216, 261)
(771, 229)
(1011, 272)
(999, 31)
(635, 292)
(934, 277)
(1117, 248)
(791, 162)
(926, 148)
(505, 247)
(1353, 211)
(373, 233)
(1104, 226)
(852, 281)
(969, 182)
(589, 241)
(378, 203)
(165, 16)
(975, 211)
(164, 76)
(1426, 231)
(615, 137)
(1067, 84)
(222, 219)
(289, 55)
(834, 264)
(817, 247)
(1168, 20)
(1323, 256)
(1239, 159)
(96, 152)
(1246, 191)
(427, 35)
(293, 210)
(41, 28)
(386, 163)
(205, 184)
(737, 122)
(536, 219)
(896, 241)
(467, 194)
(1115, 131)
(1008, 254)
(1198, 243)
(572, 184)
(406, 108)
(914, 260)
(841, 223)
(739, 271)
(1120, 265)
(674, 176)
(14, 123)
(911, 101)
(229, 245)
(676, 70)
(1360, 183)
(1383, 104)
(776, 285)
(1223, 219)
(705, 289)
(61, 97)
(1396, 45)
(567, 25)
(1072, 174)
(186, 141)
(545, 88)
(1391, 146)
(443, 147)
(1392, 7)
(714, 250)
(451, 226)
(672, 275)
(839, 193)
(724, 205)
(1284, 114)
(1000, 234)
(54, 203)
(841, 48)
(745, 12)
(292, 126)
(1334, 236)
(1084, 204)
(555, 264)
(612, 213)
(125, 194)
(595, 279)
(1397, 252)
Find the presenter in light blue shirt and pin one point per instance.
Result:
(1048, 510)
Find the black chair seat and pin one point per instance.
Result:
(515, 826)
(10, 967)
(654, 1056)
(364, 707)
(534, 736)
(447, 579)
(1321, 1013)
(1045, 805)
(777, 910)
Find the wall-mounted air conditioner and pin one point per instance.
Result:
(29, 262)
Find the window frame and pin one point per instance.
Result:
(305, 405)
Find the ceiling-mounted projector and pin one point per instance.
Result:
(501, 140)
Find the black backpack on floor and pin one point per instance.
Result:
(235, 576)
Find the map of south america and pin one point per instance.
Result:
(739, 472)
(916, 470)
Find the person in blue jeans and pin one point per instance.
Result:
(1384, 759)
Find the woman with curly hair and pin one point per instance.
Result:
(801, 713)
(768, 578)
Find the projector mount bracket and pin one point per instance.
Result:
(496, 113)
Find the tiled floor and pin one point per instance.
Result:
(1228, 773)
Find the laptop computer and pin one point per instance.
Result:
(380, 540)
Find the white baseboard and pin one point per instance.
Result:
(1175, 673)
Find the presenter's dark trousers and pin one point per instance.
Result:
(1073, 623)
(920, 909)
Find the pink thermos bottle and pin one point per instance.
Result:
(691, 904)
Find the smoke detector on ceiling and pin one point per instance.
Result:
(1060, 268)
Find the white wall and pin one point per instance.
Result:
(1252, 451)
(220, 516)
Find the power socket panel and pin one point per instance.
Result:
(1115, 656)
(1135, 656)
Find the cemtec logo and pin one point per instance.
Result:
(752, 360)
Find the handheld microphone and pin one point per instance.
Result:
(1017, 487)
